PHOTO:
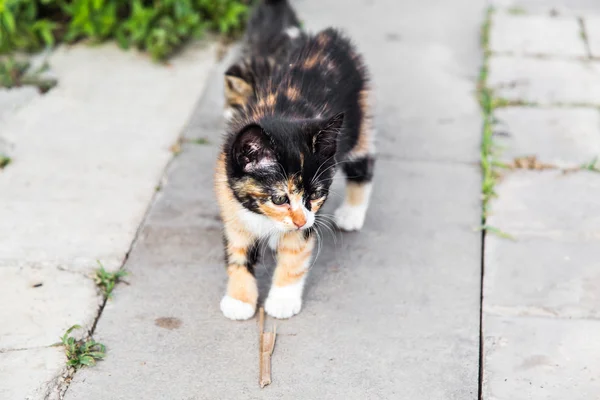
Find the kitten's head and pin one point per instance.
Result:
(282, 169)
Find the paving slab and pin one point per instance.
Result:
(102, 136)
(11, 100)
(548, 203)
(541, 359)
(551, 7)
(344, 332)
(559, 136)
(592, 29)
(431, 114)
(87, 157)
(31, 374)
(390, 311)
(540, 302)
(40, 304)
(545, 81)
(536, 35)
(541, 276)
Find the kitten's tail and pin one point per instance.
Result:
(272, 25)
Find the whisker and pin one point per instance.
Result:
(316, 177)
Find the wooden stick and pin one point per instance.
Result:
(266, 346)
(261, 321)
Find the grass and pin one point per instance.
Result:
(81, 352)
(517, 11)
(200, 141)
(15, 73)
(591, 166)
(500, 102)
(485, 97)
(497, 231)
(488, 103)
(106, 281)
(4, 161)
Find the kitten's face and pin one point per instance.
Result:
(284, 171)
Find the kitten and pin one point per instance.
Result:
(277, 163)
(273, 31)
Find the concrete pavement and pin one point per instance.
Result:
(541, 291)
(86, 158)
(390, 312)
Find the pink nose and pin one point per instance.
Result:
(299, 219)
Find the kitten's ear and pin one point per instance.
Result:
(236, 85)
(252, 150)
(324, 141)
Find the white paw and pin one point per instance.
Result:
(293, 32)
(236, 309)
(350, 218)
(284, 302)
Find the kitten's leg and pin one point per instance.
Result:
(359, 174)
(293, 261)
(240, 299)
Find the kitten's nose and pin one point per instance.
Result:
(299, 219)
(299, 225)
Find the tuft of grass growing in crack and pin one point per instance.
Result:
(81, 352)
(501, 102)
(485, 33)
(16, 73)
(498, 232)
(4, 160)
(591, 166)
(485, 97)
(517, 11)
(488, 103)
(200, 141)
(106, 281)
(584, 37)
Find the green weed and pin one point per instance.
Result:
(157, 26)
(200, 141)
(15, 73)
(106, 281)
(591, 166)
(500, 102)
(485, 98)
(4, 161)
(498, 232)
(517, 11)
(81, 352)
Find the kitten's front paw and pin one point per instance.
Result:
(350, 218)
(236, 309)
(284, 302)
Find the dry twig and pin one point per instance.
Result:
(266, 345)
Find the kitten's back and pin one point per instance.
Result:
(272, 28)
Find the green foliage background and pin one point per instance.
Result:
(156, 26)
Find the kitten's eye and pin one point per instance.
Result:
(317, 195)
(279, 200)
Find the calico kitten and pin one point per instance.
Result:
(277, 163)
(273, 31)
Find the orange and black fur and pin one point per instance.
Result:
(273, 31)
(301, 120)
